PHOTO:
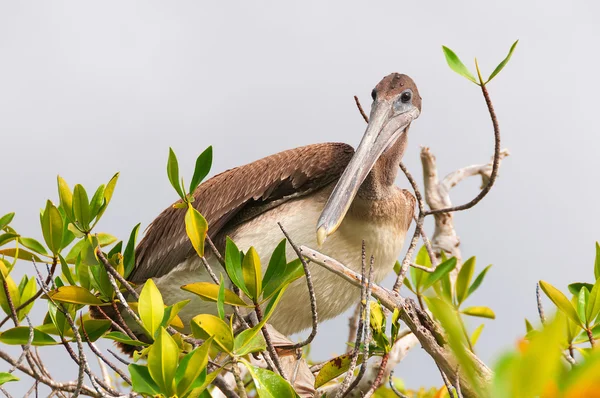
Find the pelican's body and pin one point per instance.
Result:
(383, 240)
(327, 196)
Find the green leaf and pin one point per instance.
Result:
(203, 164)
(206, 325)
(66, 197)
(441, 270)
(476, 334)
(597, 262)
(173, 173)
(21, 254)
(20, 336)
(502, 64)
(151, 307)
(129, 253)
(575, 288)
(280, 272)
(170, 317)
(210, 291)
(29, 290)
(196, 228)
(456, 64)
(52, 227)
(191, 368)
(269, 384)
(163, 357)
(34, 245)
(6, 377)
(13, 291)
(593, 307)
(81, 207)
(221, 298)
(6, 219)
(464, 279)
(419, 276)
(74, 295)
(108, 193)
(95, 328)
(7, 237)
(233, 265)
(334, 368)
(561, 301)
(200, 391)
(123, 338)
(103, 240)
(97, 201)
(248, 341)
(582, 299)
(142, 381)
(482, 312)
(478, 280)
(252, 273)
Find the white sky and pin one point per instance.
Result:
(88, 89)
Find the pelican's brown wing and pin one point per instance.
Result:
(274, 178)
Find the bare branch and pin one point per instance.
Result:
(425, 330)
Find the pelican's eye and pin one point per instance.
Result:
(405, 97)
(374, 94)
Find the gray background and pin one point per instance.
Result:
(90, 89)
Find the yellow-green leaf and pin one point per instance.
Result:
(456, 64)
(593, 306)
(476, 334)
(206, 325)
(163, 357)
(464, 279)
(482, 312)
(191, 367)
(561, 301)
(74, 295)
(196, 228)
(66, 197)
(20, 336)
(52, 227)
(334, 368)
(210, 291)
(251, 270)
(81, 206)
(173, 173)
(151, 307)
(502, 64)
(269, 384)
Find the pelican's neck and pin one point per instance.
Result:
(381, 179)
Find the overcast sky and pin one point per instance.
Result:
(90, 89)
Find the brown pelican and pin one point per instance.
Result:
(325, 195)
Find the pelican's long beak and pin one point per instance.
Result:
(384, 129)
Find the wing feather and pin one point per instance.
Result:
(293, 172)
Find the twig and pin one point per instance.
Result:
(101, 356)
(360, 109)
(238, 380)
(393, 387)
(311, 293)
(361, 322)
(367, 331)
(353, 324)
(222, 385)
(495, 164)
(118, 358)
(270, 347)
(379, 378)
(539, 303)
